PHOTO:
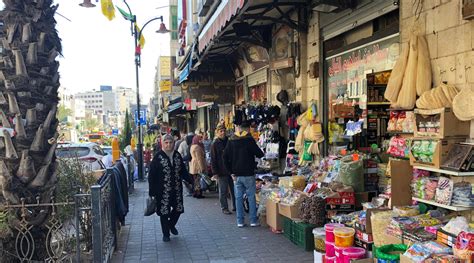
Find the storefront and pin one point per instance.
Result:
(354, 47)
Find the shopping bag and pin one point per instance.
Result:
(150, 206)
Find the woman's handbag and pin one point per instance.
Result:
(150, 207)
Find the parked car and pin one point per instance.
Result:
(107, 149)
(90, 154)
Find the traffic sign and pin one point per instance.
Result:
(142, 117)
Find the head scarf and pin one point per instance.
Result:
(197, 141)
(168, 137)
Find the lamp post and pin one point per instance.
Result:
(136, 35)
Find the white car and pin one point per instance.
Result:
(89, 153)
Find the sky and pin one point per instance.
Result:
(97, 51)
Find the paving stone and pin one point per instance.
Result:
(205, 235)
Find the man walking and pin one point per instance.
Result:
(239, 159)
(219, 170)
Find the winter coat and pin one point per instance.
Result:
(217, 157)
(164, 181)
(240, 153)
(198, 160)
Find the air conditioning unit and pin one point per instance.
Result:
(204, 6)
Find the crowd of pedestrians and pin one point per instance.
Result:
(180, 160)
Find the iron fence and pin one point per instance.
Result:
(56, 239)
(104, 223)
(83, 229)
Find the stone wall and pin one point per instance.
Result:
(302, 88)
(450, 40)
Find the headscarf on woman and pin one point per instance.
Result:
(164, 138)
(197, 140)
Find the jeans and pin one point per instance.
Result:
(246, 184)
(168, 222)
(226, 183)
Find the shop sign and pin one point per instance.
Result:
(284, 63)
(165, 66)
(165, 85)
(191, 104)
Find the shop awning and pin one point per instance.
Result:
(175, 106)
(224, 12)
(203, 104)
(183, 76)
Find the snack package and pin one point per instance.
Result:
(417, 253)
(406, 210)
(392, 123)
(444, 191)
(465, 240)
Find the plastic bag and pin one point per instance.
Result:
(351, 173)
(444, 192)
(386, 252)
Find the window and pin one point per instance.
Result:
(98, 150)
(71, 152)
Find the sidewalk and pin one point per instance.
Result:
(205, 235)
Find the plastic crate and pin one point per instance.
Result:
(300, 234)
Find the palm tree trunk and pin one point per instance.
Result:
(29, 81)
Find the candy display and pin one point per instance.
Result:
(423, 150)
(462, 195)
(312, 210)
(344, 236)
(401, 121)
(444, 191)
(399, 147)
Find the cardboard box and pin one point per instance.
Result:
(341, 198)
(274, 219)
(401, 176)
(368, 224)
(289, 211)
(441, 152)
(449, 124)
(364, 260)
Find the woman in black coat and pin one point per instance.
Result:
(167, 169)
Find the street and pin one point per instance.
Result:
(205, 235)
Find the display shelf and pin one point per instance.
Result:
(379, 103)
(397, 132)
(442, 171)
(453, 208)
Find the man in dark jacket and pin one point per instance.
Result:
(239, 159)
(219, 170)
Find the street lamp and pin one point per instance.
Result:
(136, 35)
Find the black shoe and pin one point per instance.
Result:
(226, 211)
(166, 239)
(200, 197)
(233, 209)
(174, 231)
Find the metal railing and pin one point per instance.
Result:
(62, 231)
(104, 221)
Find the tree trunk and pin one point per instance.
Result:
(29, 81)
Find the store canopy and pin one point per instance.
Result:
(175, 106)
(183, 76)
(223, 14)
(221, 37)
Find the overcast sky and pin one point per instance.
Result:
(101, 52)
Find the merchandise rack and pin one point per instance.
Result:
(449, 207)
(442, 171)
(447, 172)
